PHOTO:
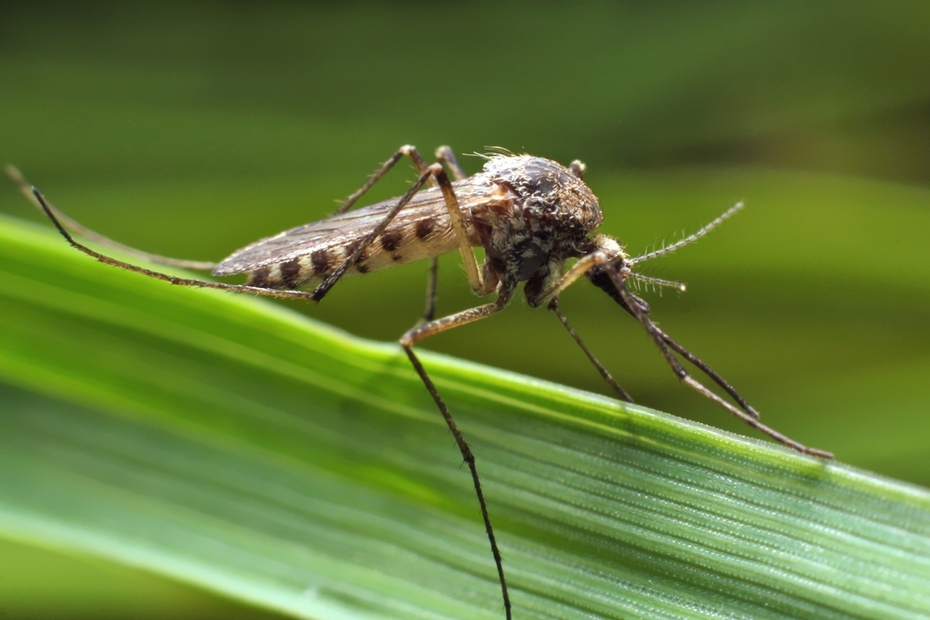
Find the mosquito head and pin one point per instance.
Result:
(608, 276)
(618, 270)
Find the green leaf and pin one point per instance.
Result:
(233, 444)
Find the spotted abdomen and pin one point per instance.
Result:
(304, 255)
(395, 246)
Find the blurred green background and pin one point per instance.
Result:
(190, 129)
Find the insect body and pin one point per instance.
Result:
(530, 215)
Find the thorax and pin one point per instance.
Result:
(538, 213)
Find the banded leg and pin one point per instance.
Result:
(431, 328)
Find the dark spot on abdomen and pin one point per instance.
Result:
(349, 248)
(259, 278)
(391, 239)
(321, 262)
(290, 272)
(424, 228)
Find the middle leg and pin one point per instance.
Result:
(431, 328)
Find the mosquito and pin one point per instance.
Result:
(529, 214)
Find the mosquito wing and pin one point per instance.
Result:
(422, 229)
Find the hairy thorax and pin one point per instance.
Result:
(539, 214)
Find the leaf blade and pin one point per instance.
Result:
(236, 445)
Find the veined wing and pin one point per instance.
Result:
(422, 229)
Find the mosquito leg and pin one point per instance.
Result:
(445, 155)
(315, 295)
(624, 395)
(681, 372)
(432, 328)
(691, 357)
(17, 177)
(610, 251)
(469, 458)
(432, 279)
(707, 370)
(107, 260)
(434, 171)
(584, 264)
(437, 326)
(426, 175)
(406, 150)
(475, 279)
